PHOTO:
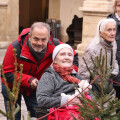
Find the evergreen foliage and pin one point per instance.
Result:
(12, 94)
(104, 103)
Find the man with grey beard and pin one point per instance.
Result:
(34, 50)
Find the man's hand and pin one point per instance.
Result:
(34, 83)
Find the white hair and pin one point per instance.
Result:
(40, 25)
(101, 27)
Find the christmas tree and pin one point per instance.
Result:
(104, 104)
(12, 94)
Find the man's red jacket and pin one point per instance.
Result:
(31, 68)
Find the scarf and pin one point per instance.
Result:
(64, 72)
(37, 55)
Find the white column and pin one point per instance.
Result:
(93, 11)
(9, 15)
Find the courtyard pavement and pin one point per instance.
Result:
(23, 107)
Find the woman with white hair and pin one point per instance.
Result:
(56, 86)
(104, 38)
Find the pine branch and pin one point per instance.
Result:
(88, 67)
(18, 83)
(106, 70)
(13, 93)
(9, 93)
(103, 105)
(15, 73)
(17, 109)
(3, 113)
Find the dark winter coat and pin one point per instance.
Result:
(117, 38)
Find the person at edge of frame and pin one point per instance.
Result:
(116, 16)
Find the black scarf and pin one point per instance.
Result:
(37, 55)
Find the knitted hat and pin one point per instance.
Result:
(58, 48)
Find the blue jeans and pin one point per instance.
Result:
(30, 102)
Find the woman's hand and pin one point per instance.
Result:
(84, 84)
(72, 100)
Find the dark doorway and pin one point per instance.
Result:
(74, 31)
(31, 11)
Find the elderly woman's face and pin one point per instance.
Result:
(64, 58)
(117, 7)
(109, 32)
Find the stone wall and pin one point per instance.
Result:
(93, 12)
(8, 22)
(64, 10)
